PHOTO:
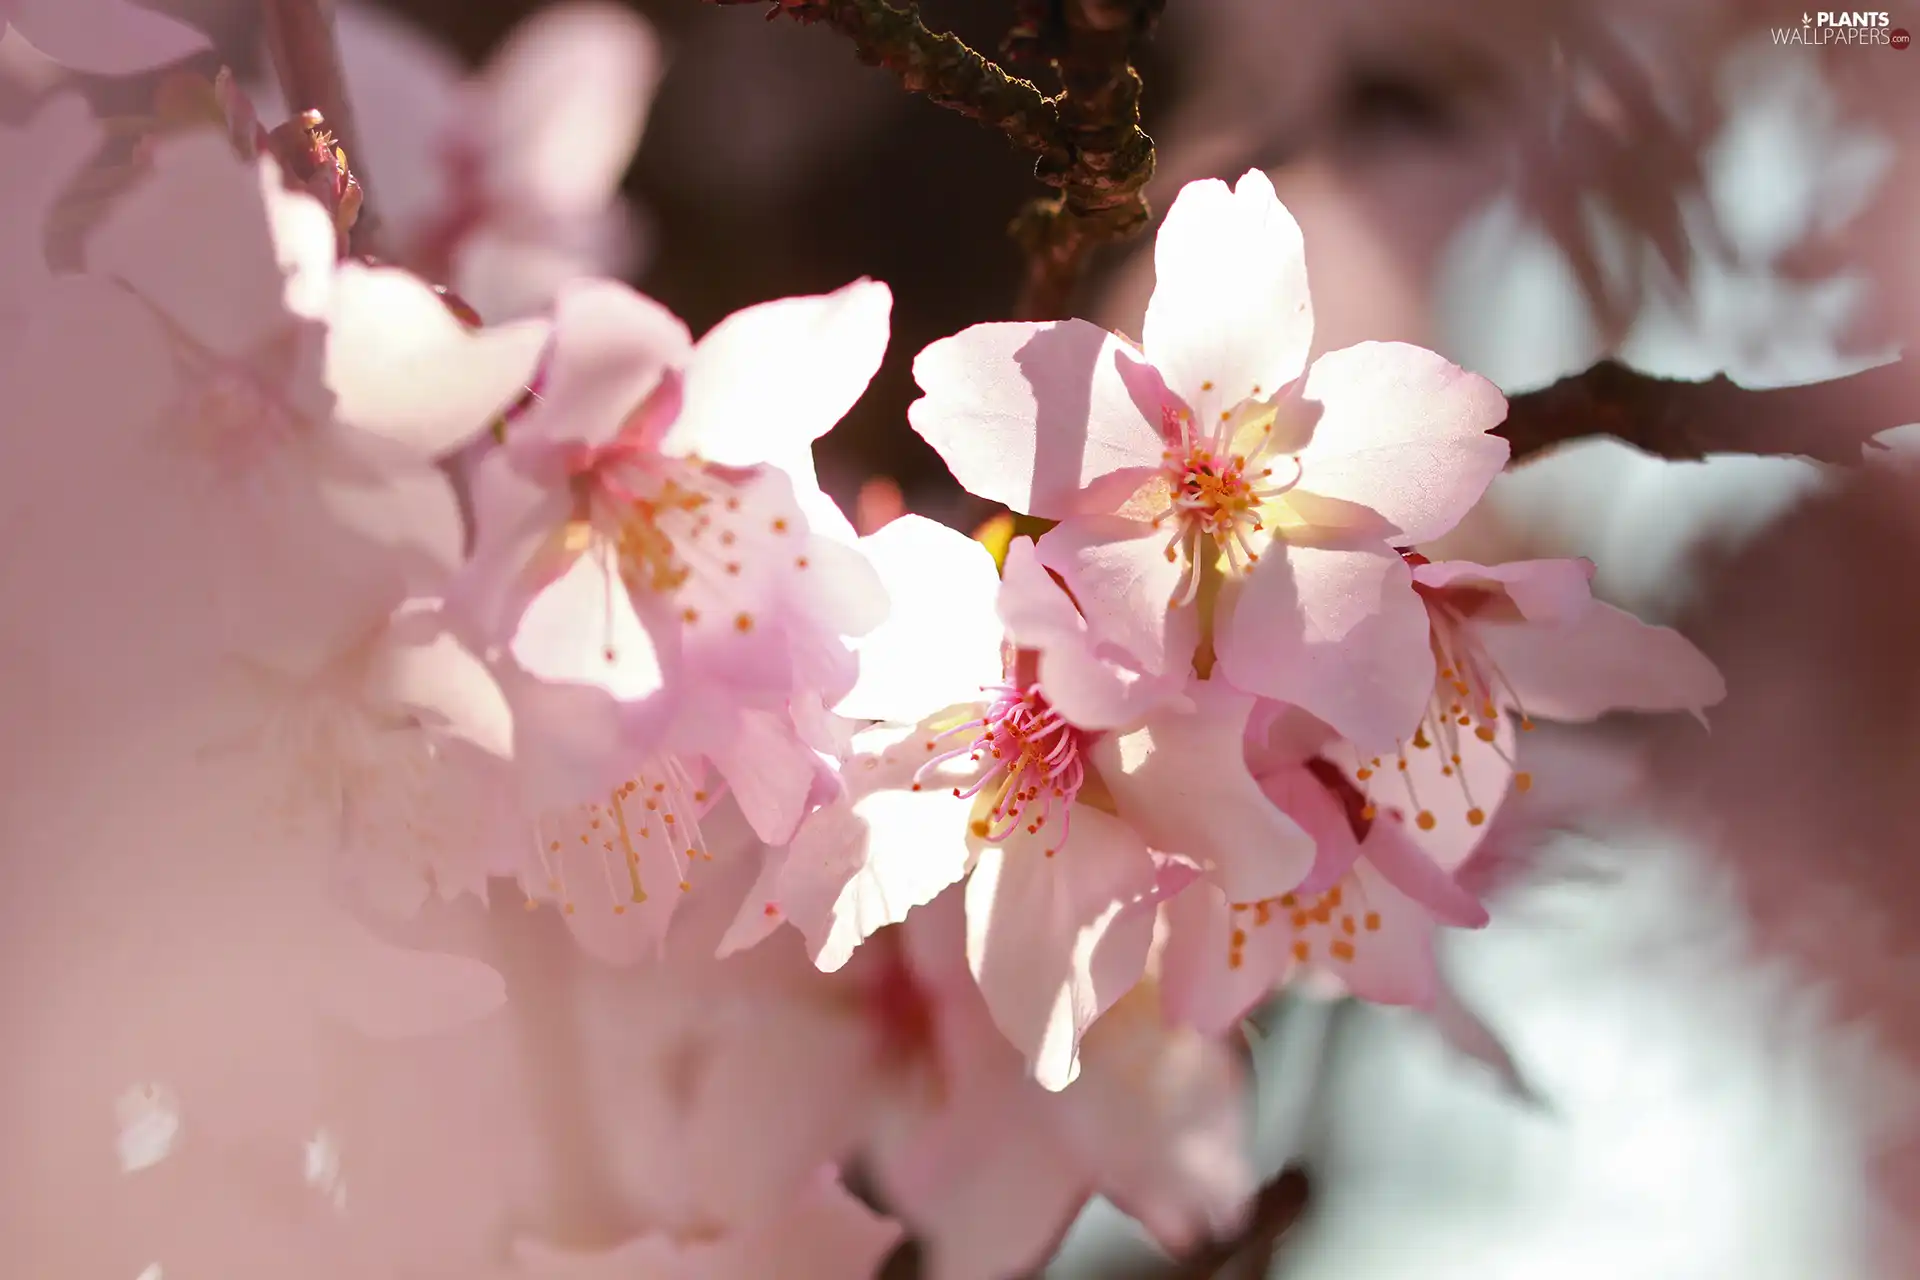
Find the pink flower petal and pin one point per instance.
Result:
(1035, 926)
(835, 603)
(1404, 433)
(1118, 571)
(1542, 590)
(518, 529)
(422, 667)
(982, 1176)
(105, 37)
(1198, 986)
(859, 865)
(940, 643)
(1394, 964)
(1036, 416)
(766, 382)
(1082, 685)
(1431, 781)
(1338, 633)
(1604, 660)
(1230, 317)
(1036, 612)
(582, 629)
(1164, 1114)
(1372, 941)
(1394, 851)
(576, 742)
(769, 771)
(404, 371)
(612, 348)
(1181, 780)
(195, 240)
(1303, 797)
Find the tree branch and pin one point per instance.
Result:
(1673, 418)
(1087, 141)
(1110, 158)
(943, 67)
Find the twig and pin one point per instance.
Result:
(1672, 418)
(1109, 157)
(306, 58)
(943, 67)
(1087, 141)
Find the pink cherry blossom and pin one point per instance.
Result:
(1361, 922)
(646, 571)
(254, 428)
(1209, 470)
(1515, 641)
(996, 786)
(1529, 637)
(108, 37)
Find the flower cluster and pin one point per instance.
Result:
(332, 613)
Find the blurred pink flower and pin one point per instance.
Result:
(988, 1168)
(823, 1234)
(254, 425)
(179, 944)
(504, 184)
(106, 37)
(1187, 459)
(235, 438)
(1361, 922)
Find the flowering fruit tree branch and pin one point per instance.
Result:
(1673, 418)
(1086, 140)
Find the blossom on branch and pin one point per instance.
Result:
(1209, 473)
(1009, 788)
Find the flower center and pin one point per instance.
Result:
(650, 822)
(1218, 481)
(1470, 696)
(714, 539)
(1031, 760)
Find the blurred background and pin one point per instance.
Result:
(1705, 955)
